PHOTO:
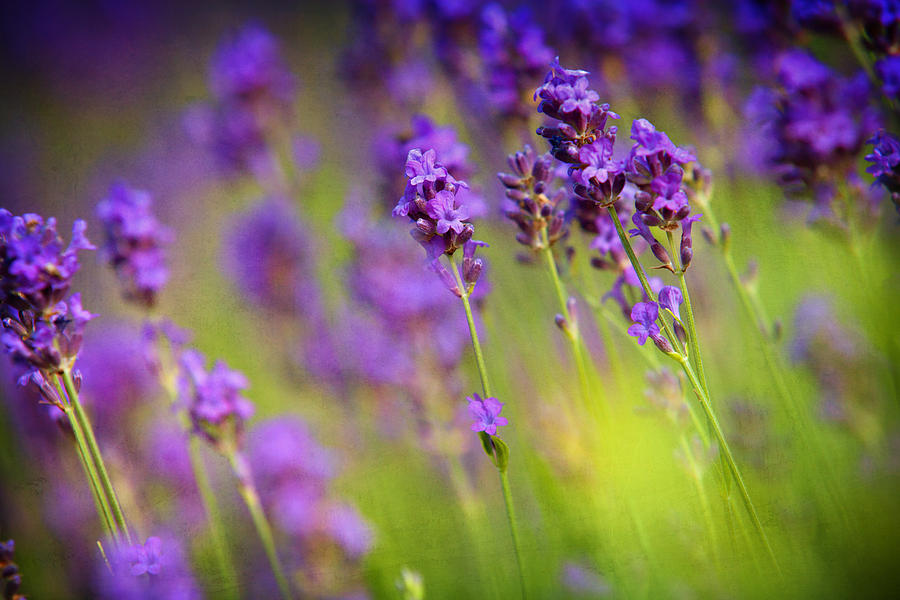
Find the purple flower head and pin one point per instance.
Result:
(888, 69)
(486, 414)
(9, 571)
(670, 298)
(48, 342)
(135, 242)
(283, 449)
(35, 265)
(213, 398)
(154, 569)
(268, 257)
(248, 67)
(349, 530)
(565, 96)
(432, 201)
(649, 141)
(644, 315)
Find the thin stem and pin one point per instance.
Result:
(729, 458)
(639, 270)
(486, 388)
(227, 572)
(572, 331)
(511, 519)
(693, 338)
(99, 499)
(94, 451)
(263, 529)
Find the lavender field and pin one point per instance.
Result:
(415, 299)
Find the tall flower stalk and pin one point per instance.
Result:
(656, 167)
(135, 247)
(442, 227)
(43, 330)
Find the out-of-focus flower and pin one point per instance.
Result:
(154, 569)
(885, 167)
(213, 400)
(268, 256)
(248, 67)
(888, 69)
(135, 242)
(486, 413)
(10, 578)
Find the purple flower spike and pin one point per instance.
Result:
(444, 210)
(213, 398)
(135, 242)
(670, 298)
(644, 315)
(486, 414)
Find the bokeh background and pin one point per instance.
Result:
(608, 505)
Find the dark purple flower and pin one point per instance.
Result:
(888, 69)
(34, 263)
(670, 298)
(10, 578)
(135, 242)
(486, 414)
(213, 398)
(644, 315)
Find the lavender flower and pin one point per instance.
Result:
(532, 206)
(644, 315)
(432, 201)
(817, 123)
(248, 67)
(154, 569)
(10, 578)
(135, 242)
(514, 54)
(213, 400)
(36, 269)
(885, 167)
(670, 298)
(486, 414)
(268, 256)
(888, 69)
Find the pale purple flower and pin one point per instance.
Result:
(155, 569)
(486, 414)
(644, 315)
(213, 398)
(444, 210)
(670, 297)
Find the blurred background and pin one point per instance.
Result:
(285, 263)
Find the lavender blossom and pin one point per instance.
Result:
(644, 315)
(154, 569)
(213, 400)
(248, 67)
(36, 269)
(885, 167)
(670, 298)
(533, 206)
(135, 242)
(486, 414)
(10, 578)
(817, 124)
(268, 256)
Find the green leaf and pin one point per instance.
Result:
(501, 453)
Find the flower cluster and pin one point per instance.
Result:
(431, 200)
(253, 92)
(155, 569)
(486, 413)
(213, 400)
(534, 207)
(135, 242)
(885, 167)
(514, 54)
(41, 328)
(294, 475)
(10, 579)
(816, 123)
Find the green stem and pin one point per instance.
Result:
(93, 451)
(693, 338)
(263, 529)
(99, 499)
(229, 583)
(486, 388)
(639, 270)
(729, 458)
(571, 331)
